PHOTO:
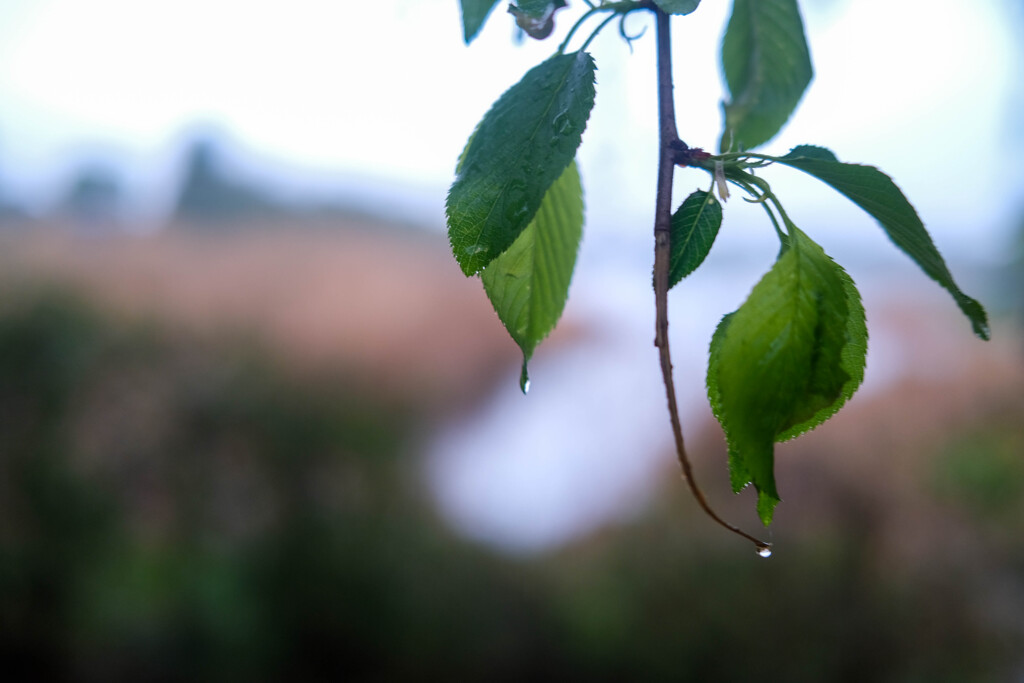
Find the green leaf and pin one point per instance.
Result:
(538, 9)
(695, 225)
(876, 193)
(528, 284)
(852, 361)
(518, 150)
(677, 6)
(739, 477)
(474, 14)
(767, 68)
(784, 362)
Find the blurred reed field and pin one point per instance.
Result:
(208, 474)
(219, 417)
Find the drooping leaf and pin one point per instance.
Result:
(536, 17)
(876, 193)
(785, 361)
(852, 361)
(677, 6)
(520, 147)
(474, 14)
(739, 477)
(528, 284)
(695, 225)
(767, 68)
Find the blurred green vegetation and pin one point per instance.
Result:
(178, 509)
(983, 472)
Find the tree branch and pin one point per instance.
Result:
(669, 143)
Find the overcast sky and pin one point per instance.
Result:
(383, 94)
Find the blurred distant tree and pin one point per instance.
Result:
(8, 210)
(209, 193)
(95, 196)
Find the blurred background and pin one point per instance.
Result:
(254, 423)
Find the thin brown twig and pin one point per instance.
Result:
(668, 142)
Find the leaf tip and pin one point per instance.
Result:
(766, 503)
(979, 319)
(474, 15)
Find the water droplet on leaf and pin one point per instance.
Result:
(562, 124)
(764, 551)
(517, 215)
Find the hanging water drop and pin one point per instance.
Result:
(765, 550)
(524, 379)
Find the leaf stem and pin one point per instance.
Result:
(617, 9)
(597, 30)
(766, 194)
(579, 22)
(668, 142)
(763, 199)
